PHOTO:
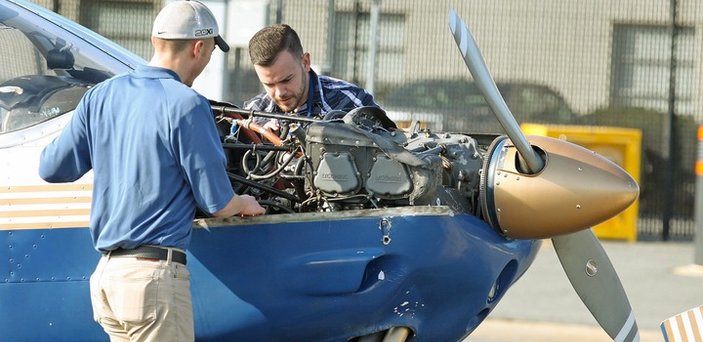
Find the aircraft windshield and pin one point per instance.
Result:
(44, 69)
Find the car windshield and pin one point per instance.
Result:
(458, 104)
(44, 69)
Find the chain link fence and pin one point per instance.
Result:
(631, 63)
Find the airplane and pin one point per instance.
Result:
(372, 233)
(686, 326)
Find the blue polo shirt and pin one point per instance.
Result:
(156, 155)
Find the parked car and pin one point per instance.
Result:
(457, 105)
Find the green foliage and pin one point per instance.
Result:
(652, 124)
(657, 170)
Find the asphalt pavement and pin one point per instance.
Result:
(659, 278)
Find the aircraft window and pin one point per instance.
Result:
(23, 59)
(28, 100)
(44, 70)
(34, 87)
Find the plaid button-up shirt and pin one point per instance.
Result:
(328, 94)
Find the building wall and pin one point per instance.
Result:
(567, 45)
(564, 44)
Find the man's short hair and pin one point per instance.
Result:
(266, 44)
(172, 45)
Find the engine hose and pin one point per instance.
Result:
(245, 167)
(277, 205)
(268, 158)
(253, 126)
(264, 187)
(258, 147)
(268, 135)
(299, 186)
(250, 134)
(260, 164)
(274, 172)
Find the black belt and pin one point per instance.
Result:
(150, 252)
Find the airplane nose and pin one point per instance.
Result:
(576, 189)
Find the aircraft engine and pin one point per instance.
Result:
(351, 165)
(358, 161)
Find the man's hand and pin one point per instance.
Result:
(272, 125)
(249, 206)
(242, 205)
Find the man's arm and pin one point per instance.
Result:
(366, 98)
(67, 158)
(203, 162)
(343, 95)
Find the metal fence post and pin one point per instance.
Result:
(698, 234)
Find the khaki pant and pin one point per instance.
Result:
(142, 300)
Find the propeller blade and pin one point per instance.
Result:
(473, 59)
(593, 277)
(583, 258)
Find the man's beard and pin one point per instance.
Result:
(297, 97)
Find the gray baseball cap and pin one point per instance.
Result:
(187, 20)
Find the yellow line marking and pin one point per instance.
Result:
(46, 188)
(41, 225)
(667, 328)
(682, 329)
(697, 336)
(38, 213)
(43, 200)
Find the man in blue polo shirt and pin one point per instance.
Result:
(152, 144)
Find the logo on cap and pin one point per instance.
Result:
(203, 32)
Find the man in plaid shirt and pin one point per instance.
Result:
(290, 83)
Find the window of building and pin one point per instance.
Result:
(641, 67)
(352, 46)
(127, 23)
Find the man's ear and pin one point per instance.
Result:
(197, 47)
(306, 61)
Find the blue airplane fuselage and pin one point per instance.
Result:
(292, 277)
